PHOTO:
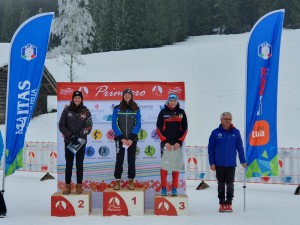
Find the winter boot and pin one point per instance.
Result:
(229, 208)
(79, 189)
(67, 189)
(131, 184)
(174, 192)
(117, 186)
(222, 208)
(163, 191)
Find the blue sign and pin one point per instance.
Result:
(27, 57)
(261, 95)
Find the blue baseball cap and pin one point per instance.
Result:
(173, 97)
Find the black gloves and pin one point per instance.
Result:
(74, 138)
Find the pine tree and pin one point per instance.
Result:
(226, 18)
(199, 17)
(292, 17)
(75, 28)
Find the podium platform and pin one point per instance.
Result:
(171, 205)
(124, 202)
(72, 204)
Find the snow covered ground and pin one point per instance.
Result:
(213, 68)
(28, 202)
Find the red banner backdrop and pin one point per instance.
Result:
(113, 90)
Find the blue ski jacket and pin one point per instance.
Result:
(223, 146)
(126, 124)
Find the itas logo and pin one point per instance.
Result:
(265, 50)
(157, 90)
(29, 52)
(260, 134)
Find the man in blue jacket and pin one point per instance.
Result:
(224, 143)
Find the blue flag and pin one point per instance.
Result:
(27, 57)
(261, 95)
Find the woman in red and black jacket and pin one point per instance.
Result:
(172, 127)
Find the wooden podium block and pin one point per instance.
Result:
(72, 204)
(123, 202)
(171, 205)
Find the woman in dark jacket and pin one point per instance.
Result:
(126, 123)
(172, 128)
(75, 122)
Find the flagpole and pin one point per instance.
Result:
(3, 167)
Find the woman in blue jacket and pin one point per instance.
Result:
(126, 123)
(224, 143)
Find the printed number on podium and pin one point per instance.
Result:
(134, 200)
(80, 204)
(182, 205)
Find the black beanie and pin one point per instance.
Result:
(77, 93)
(127, 90)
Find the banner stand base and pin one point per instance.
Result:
(47, 176)
(297, 191)
(202, 186)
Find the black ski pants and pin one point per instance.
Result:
(225, 176)
(69, 156)
(131, 151)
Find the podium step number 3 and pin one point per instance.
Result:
(171, 206)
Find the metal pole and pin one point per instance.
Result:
(244, 187)
(3, 178)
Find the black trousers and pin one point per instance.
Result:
(69, 156)
(131, 151)
(225, 176)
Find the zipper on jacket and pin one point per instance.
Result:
(126, 124)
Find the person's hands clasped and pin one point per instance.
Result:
(176, 146)
(74, 138)
(168, 146)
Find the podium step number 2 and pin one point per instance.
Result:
(71, 205)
